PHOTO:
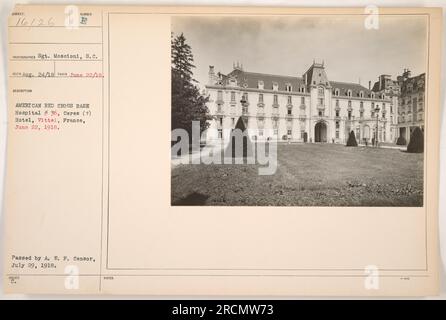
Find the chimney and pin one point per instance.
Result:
(211, 74)
(370, 85)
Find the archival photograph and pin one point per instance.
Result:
(295, 110)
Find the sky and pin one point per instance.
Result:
(287, 45)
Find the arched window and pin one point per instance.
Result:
(260, 84)
(320, 91)
(372, 95)
(361, 94)
(349, 93)
(288, 87)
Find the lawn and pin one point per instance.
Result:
(307, 175)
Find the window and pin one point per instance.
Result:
(320, 113)
(337, 103)
(288, 87)
(320, 91)
(302, 100)
(361, 113)
(275, 99)
(349, 104)
(289, 111)
(337, 113)
(336, 92)
(289, 100)
(260, 98)
(220, 133)
(233, 121)
(337, 124)
(220, 95)
(275, 86)
(245, 96)
(261, 133)
(221, 121)
(276, 132)
(361, 94)
(349, 93)
(260, 84)
(349, 115)
(361, 105)
(289, 132)
(232, 96)
(337, 134)
(321, 102)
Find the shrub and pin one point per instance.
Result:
(416, 143)
(351, 142)
(401, 141)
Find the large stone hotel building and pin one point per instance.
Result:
(310, 108)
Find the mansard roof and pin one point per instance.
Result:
(414, 84)
(250, 80)
(355, 88)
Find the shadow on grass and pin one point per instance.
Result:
(193, 199)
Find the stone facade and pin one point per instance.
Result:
(408, 96)
(311, 108)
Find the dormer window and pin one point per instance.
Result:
(361, 94)
(320, 91)
(275, 86)
(336, 92)
(260, 84)
(302, 89)
(232, 82)
(372, 95)
(288, 87)
(349, 93)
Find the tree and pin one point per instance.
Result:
(416, 143)
(351, 142)
(401, 141)
(188, 104)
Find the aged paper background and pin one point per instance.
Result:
(148, 246)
